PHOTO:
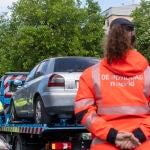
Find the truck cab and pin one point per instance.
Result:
(7, 88)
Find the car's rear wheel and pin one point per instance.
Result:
(40, 114)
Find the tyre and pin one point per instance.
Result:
(22, 142)
(13, 116)
(19, 143)
(40, 114)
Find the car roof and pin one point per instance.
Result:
(71, 57)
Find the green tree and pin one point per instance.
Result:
(39, 29)
(141, 19)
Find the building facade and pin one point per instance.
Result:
(123, 11)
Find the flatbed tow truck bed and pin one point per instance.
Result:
(22, 136)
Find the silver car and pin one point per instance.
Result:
(49, 90)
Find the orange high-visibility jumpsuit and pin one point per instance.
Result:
(114, 98)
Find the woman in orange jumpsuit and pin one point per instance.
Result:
(112, 101)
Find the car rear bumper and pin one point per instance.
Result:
(59, 103)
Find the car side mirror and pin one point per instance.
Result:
(14, 85)
(18, 82)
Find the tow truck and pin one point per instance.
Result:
(25, 135)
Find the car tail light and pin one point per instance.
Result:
(8, 95)
(56, 80)
(61, 145)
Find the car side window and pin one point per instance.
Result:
(31, 74)
(41, 70)
(44, 68)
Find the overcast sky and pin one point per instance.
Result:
(4, 4)
(105, 4)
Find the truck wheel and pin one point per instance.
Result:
(22, 143)
(18, 143)
(40, 114)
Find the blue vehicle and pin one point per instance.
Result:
(7, 89)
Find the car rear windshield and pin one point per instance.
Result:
(73, 64)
